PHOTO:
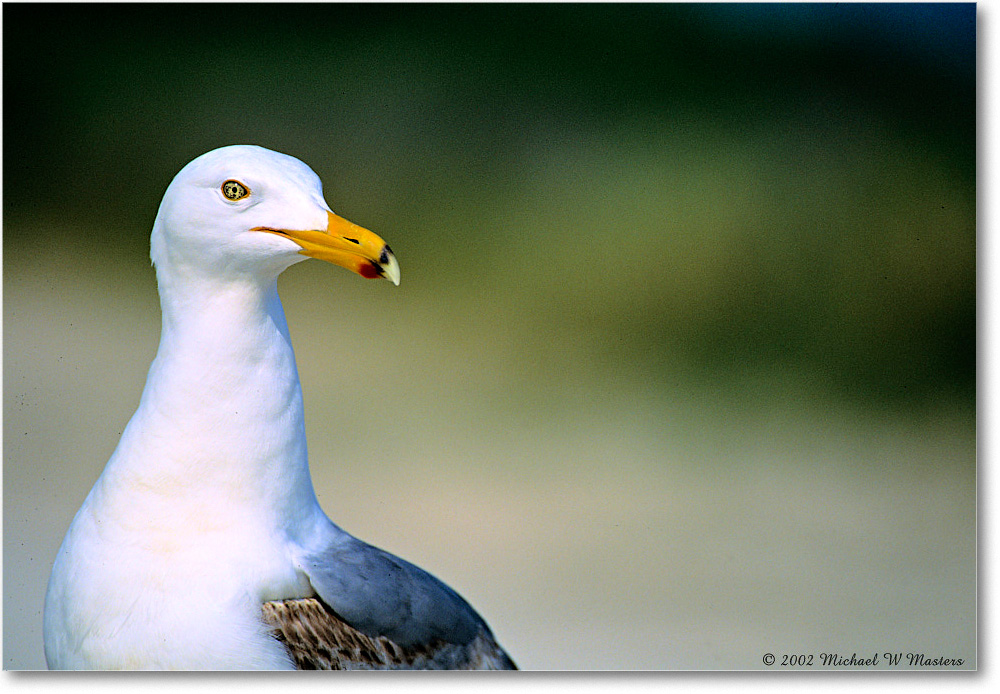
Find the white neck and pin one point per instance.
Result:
(220, 423)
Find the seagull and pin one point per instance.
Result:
(202, 545)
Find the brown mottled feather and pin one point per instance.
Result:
(317, 639)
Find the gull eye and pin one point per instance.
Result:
(234, 190)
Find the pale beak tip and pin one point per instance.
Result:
(388, 265)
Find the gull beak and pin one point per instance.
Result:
(345, 244)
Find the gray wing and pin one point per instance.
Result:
(381, 595)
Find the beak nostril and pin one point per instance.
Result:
(352, 240)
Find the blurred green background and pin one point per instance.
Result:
(682, 368)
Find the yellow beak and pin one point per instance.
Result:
(345, 244)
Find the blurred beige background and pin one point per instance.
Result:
(681, 370)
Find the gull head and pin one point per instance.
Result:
(243, 212)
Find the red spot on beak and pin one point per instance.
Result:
(369, 271)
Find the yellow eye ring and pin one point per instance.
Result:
(234, 190)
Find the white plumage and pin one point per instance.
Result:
(206, 510)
